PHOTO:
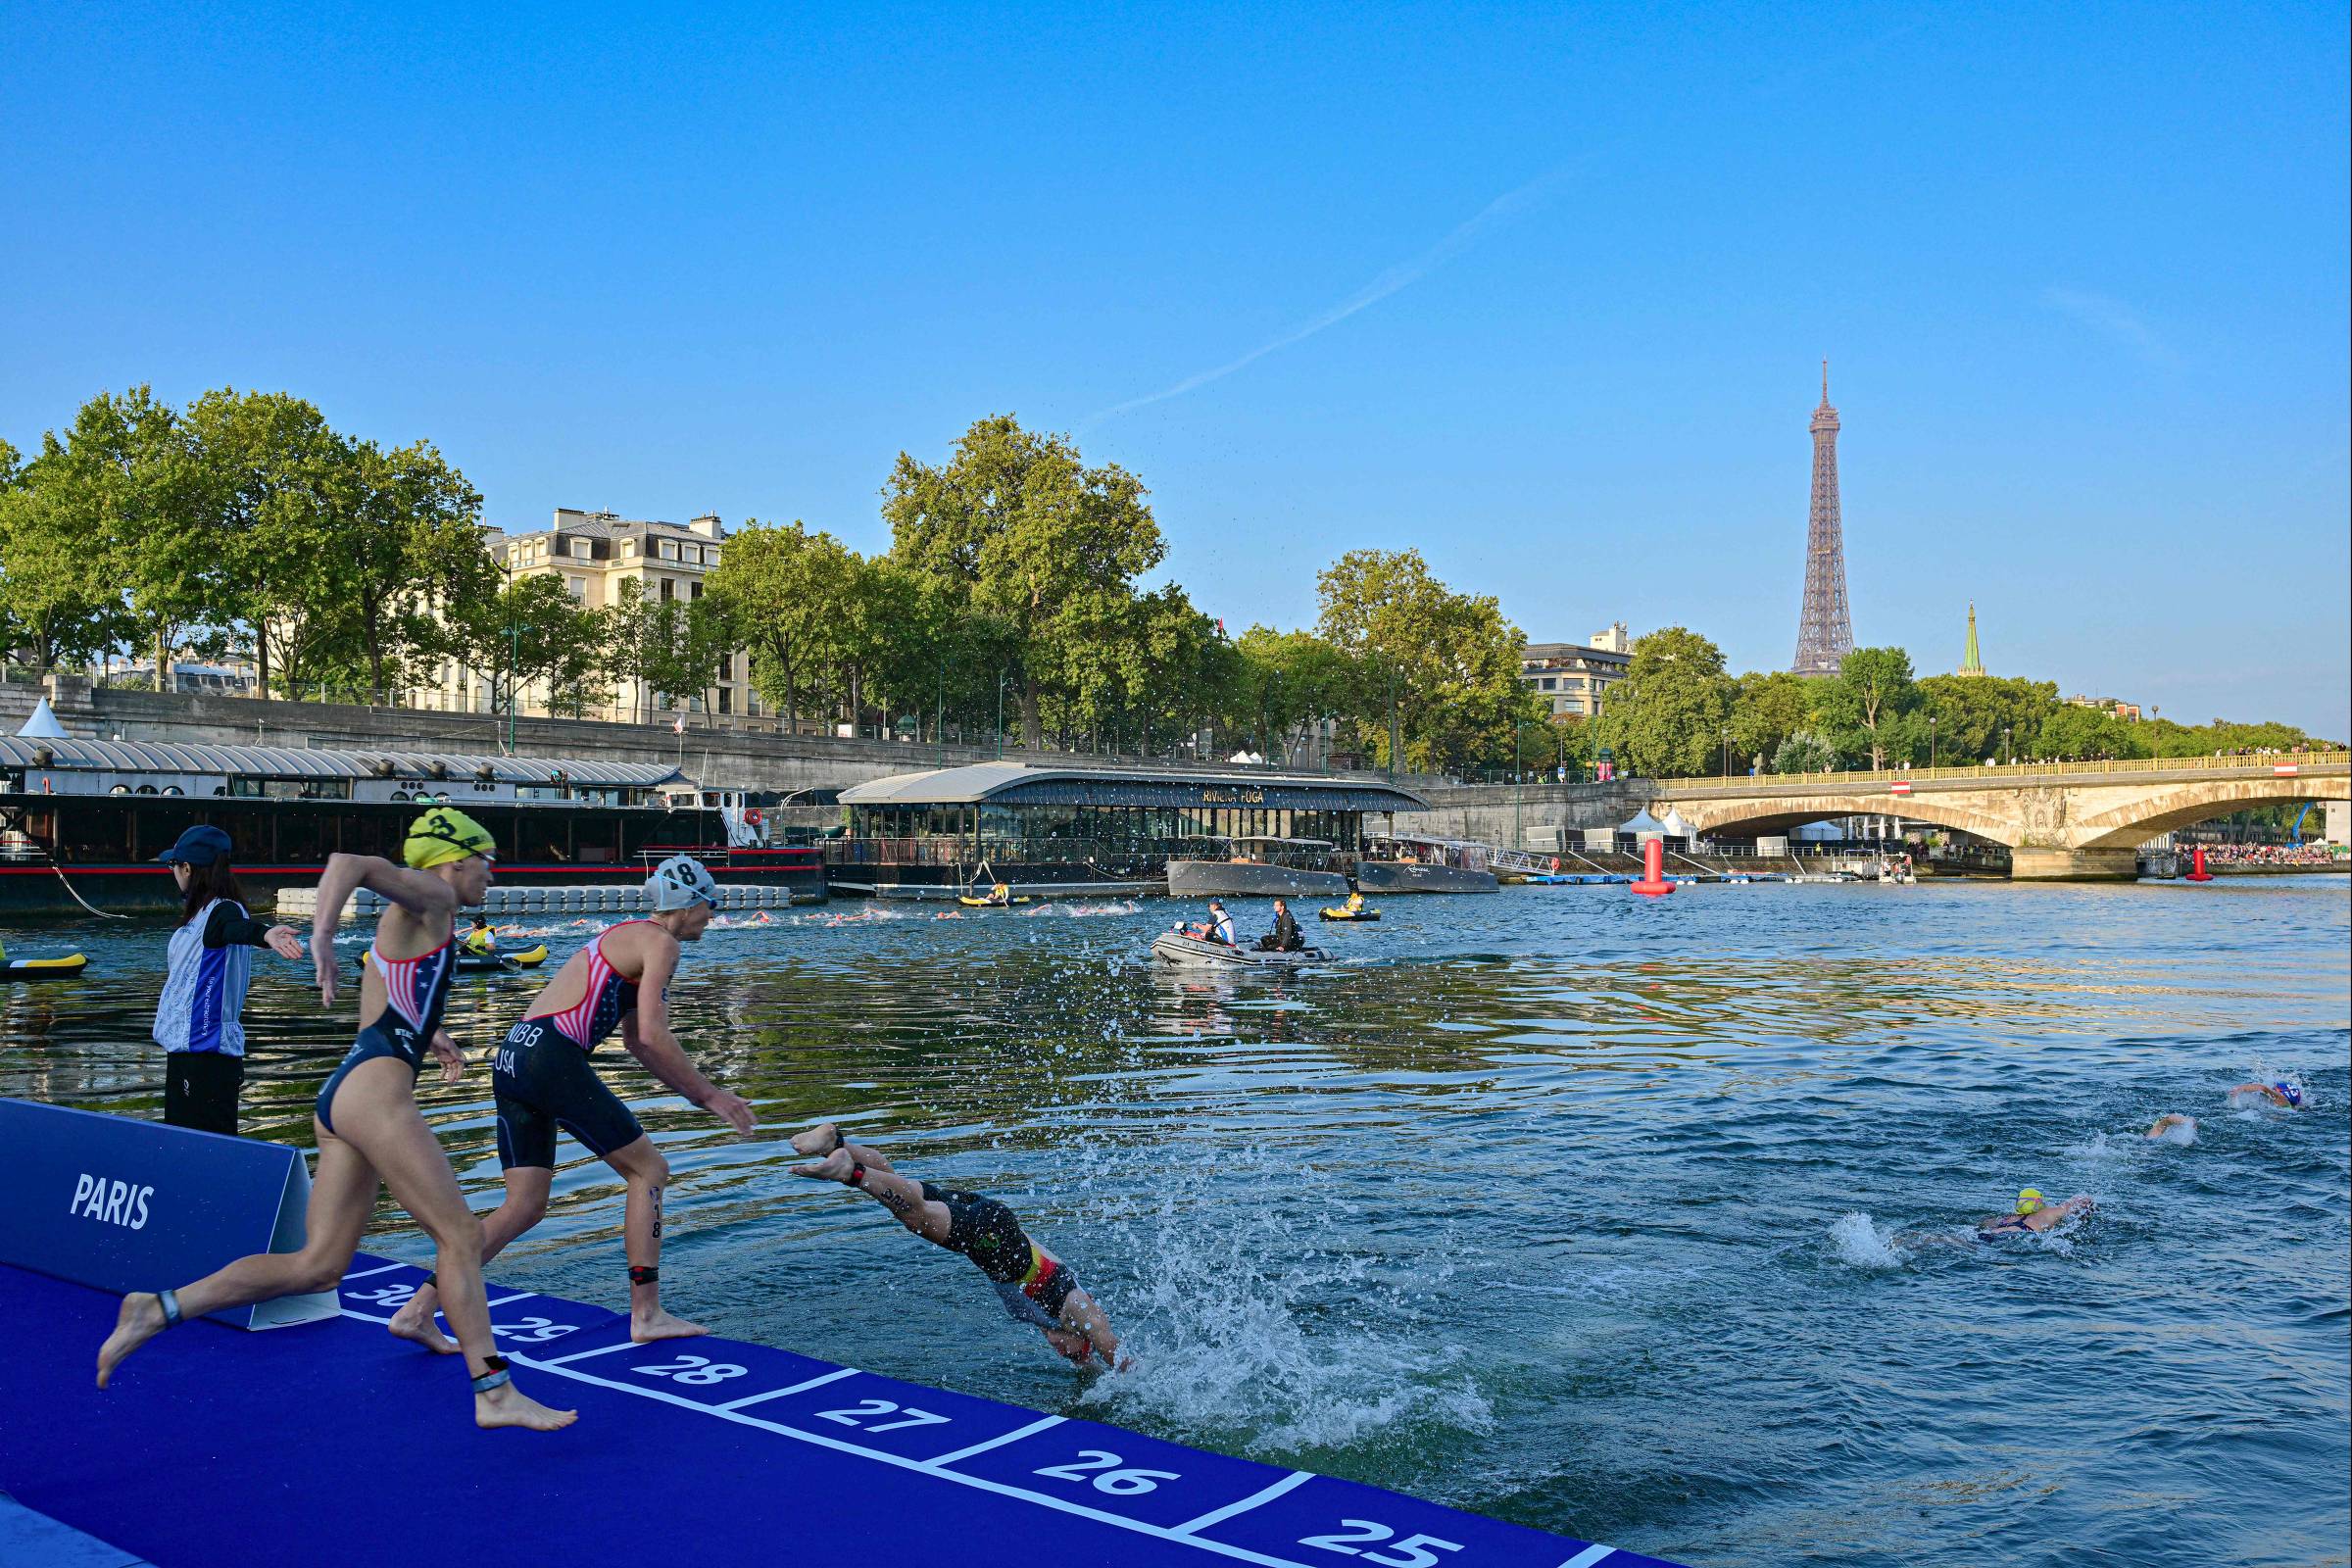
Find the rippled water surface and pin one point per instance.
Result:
(1640, 1221)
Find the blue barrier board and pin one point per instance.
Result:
(336, 1441)
(125, 1205)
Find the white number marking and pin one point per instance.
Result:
(862, 1413)
(532, 1330)
(387, 1294)
(1115, 1481)
(697, 1370)
(1417, 1550)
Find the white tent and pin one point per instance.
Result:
(1677, 829)
(1643, 822)
(44, 724)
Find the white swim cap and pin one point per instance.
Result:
(679, 882)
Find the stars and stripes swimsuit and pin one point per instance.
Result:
(544, 1082)
(414, 992)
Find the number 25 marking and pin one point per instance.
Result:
(1418, 1547)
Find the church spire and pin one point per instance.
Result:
(1970, 663)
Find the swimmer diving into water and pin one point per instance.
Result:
(1036, 1287)
(2034, 1213)
(368, 1129)
(543, 1081)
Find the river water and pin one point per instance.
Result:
(1642, 1221)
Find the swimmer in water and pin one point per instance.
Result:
(543, 1080)
(2170, 1119)
(1035, 1285)
(2283, 1094)
(2032, 1213)
(369, 1132)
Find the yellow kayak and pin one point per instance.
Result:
(1344, 913)
(43, 968)
(970, 903)
(519, 959)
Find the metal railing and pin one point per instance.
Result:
(2261, 765)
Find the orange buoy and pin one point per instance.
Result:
(1654, 881)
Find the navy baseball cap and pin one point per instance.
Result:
(198, 846)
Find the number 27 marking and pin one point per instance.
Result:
(864, 1410)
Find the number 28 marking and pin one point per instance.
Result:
(1420, 1550)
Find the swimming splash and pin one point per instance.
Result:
(1859, 1243)
(1264, 1328)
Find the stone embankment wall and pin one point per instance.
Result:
(737, 759)
(1486, 811)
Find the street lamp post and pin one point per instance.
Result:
(2008, 746)
(1727, 751)
(1930, 744)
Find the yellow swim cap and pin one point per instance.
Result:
(2028, 1200)
(445, 834)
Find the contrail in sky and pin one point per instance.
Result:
(1405, 273)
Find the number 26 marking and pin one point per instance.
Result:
(1118, 1482)
(1418, 1548)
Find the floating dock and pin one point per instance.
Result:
(333, 1441)
(624, 898)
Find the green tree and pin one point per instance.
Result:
(533, 632)
(1446, 664)
(1867, 706)
(410, 530)
(1289, 680)
(1983, 718)
(1666, 718)
(2076, 734)
(55, 597)
(1805, 751)
(1032, 537)
(785, 591)
(270, 469)
(1766, 710)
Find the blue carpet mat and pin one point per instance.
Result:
(333, 1443)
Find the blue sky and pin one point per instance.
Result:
(1541, 292)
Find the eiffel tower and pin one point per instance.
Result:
(1825, 631)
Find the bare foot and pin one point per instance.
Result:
(140, 1320)
(820, 1139)
(646, 1327)
(415, 1322)
(834, 1168)
(508, 1406)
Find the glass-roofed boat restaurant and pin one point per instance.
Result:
(1015, 813)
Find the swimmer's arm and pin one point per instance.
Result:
(346, 874)
(645, 1034)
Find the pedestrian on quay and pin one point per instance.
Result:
(198, 1019)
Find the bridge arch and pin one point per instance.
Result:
(1776, 815)
(2186, 805)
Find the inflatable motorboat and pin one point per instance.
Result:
(1192, 953)
(43, 968)
(1342, 912)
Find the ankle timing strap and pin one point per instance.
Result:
(170, 1300)
(643, 1276)
(856, 1174)
(496, 1375)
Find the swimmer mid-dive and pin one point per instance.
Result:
(2287, 1095)
(1036, 1287)
(543, 1081)
(2034, 1213)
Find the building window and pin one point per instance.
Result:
(629, 548)
(726, 701)
(1550, 683)
(582, 550)
(669, 549)
(670, 590)
(693, 589)
(578, 587)
(691, 553)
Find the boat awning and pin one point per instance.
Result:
(1020, 784)
(293, 762)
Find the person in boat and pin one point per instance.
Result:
(199, 1018)
(1036, 1287)
(1000, 894)
(543, 1081)
(1355, 902)
(2032, 1213)
(368, 1129)
(480, 941)
(2286, 1094)
(1285, 937)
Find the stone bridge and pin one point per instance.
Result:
(2058, 820)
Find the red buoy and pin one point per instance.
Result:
(2197, 871)
(1653, 869)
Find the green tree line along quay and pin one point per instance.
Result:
(1017, 595)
